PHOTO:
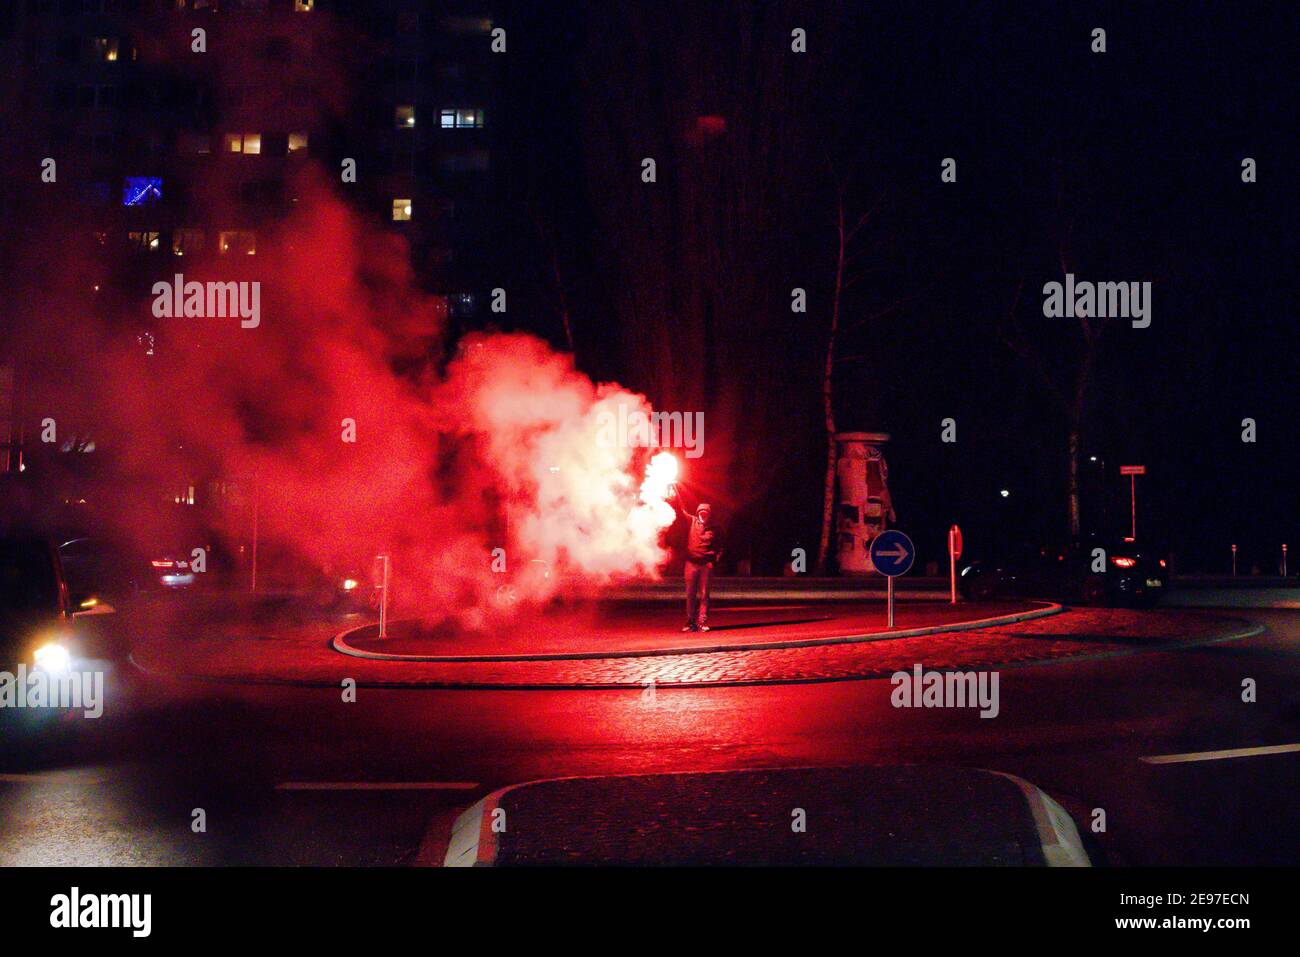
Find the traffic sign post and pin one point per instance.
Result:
(383, 565)
(954, 553)
(892, 554)
(1132, 471)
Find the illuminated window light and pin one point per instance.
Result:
(236, 242)
(147, 241)
(462, 119)
(105, 49)
(250, 143)
(187, 241)
(141, 190)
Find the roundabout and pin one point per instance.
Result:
(635, 645)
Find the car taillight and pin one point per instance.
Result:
(1123, 562)
(163, 564)
(1163, 563)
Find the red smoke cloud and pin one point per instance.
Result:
(501, 449)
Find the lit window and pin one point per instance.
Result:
(303, 6)
(241, 143)
(461, 119)
(144, 242)
(237, 243)
(401, 210)
(187, 242)
(297, 143)
(405, 117)
(104, 49)
(141, 190)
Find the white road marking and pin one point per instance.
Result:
(1220, 755)
(377, 786)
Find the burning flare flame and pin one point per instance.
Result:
(657, 487)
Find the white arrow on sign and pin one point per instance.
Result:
(898, 552)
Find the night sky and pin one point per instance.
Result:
(1134, 154)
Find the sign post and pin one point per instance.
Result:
(1132, 471)
(892, 554)
(954, 553)
(252, 581)
(382, 560)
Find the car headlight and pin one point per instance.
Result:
(349, 584)
(53, 658)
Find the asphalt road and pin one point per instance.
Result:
(298, 776)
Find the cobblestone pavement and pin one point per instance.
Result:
(304, 656)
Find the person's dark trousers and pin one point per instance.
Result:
(697, 593)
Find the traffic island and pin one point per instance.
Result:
(633, 629)
(864, 816)
(308, 657)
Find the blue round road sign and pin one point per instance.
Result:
(892, 553)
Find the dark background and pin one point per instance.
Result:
(1135, 153)
(680, 289)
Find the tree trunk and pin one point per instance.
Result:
(1075, 413)
(828, 401)
(1072, 484)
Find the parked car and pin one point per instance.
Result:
(120, 572)
(37, 610)
(1092, 572)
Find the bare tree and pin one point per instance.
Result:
(849, 251)
(1068, 381)
(561, 299)
(697, 265)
